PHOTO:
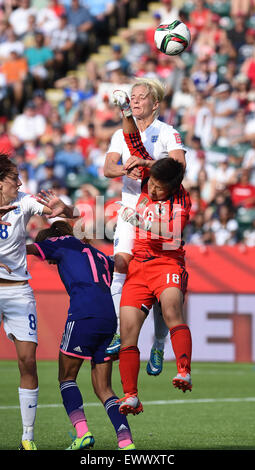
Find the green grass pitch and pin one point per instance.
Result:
(217, 415)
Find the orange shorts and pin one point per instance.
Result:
(146, 280)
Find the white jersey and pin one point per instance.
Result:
(159, 139)
(13, 237)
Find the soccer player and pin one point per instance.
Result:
(160, 140)
(157, 269)
(86, 273)
(17, 303)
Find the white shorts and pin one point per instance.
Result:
(124, 235)
(18, 312)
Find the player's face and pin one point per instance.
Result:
(141, 102)
(157, 190)
(10, 185)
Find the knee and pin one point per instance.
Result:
(27, 363)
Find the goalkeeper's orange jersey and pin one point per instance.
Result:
(172, 213)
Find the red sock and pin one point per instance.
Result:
(182, 346)
(129, 365)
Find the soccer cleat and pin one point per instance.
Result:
(85, 442)
(114, 347)
(27, 445)
(121, 99)
(129, 447)
(130, 405)
(155, 364)
(182, 381)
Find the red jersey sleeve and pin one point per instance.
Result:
(135, 145)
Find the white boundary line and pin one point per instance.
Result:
(152, 403)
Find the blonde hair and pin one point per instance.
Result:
(154, 87)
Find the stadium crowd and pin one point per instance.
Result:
(57, 118)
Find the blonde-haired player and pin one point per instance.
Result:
(160, 140)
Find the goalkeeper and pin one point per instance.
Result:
(157, 270)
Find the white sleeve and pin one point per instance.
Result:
(172, 139)
(117, 142)
(31, 206)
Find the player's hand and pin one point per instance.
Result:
(133, 162)
(128, 214)
(134, 173)
(2, 265)
(121, 99)
(52, 201)
(4, 210)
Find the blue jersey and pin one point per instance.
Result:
(86, 274)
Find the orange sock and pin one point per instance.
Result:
(182, 346)
(129, 366)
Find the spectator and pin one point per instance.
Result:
(15, 70)
(249, 161)
(240, 8)
(243, 192)
(50, 179)
(236, 35)
(225, 174)
(40, 59)
(67, 111)
(11, 44)
(28, 126)
(19, 17)
(196, 233)
(101, 12)
(204, 76)
(183, 99)
(69, 157)
(47, 20)
(248, 68)
(249, 235)
(167, 11)
(88, 142)
(138, 48)
(200, 15)
(29, 184)
(42, 105)
(225, 229)
(6, 144)
(196, 161)
(224, 107)
(117, 56)
(96, 159)
(80, 18)
(197, 121)
(64, 36)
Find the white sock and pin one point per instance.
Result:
(28, 406)
(116, 290)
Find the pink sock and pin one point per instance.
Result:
(81, 428)
(124, 443)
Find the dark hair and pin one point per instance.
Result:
(6, 166)
(169, 172)
(59, 228)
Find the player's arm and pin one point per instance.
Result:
(112, 168)
(2, 265)
(54, 206)
(139, 155)
(32, 249)
(4, 210)
(178, 155)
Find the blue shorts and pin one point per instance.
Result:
(88, 338)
